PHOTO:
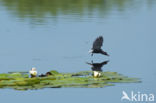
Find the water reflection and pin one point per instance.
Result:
(97, 67)
(40, 10)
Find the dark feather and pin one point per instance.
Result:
(97, 44)
(97, 66)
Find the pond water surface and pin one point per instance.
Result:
(57, 34)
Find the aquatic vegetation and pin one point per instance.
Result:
(83, 79)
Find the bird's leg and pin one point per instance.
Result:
(92, 54)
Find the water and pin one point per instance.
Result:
(57, 34)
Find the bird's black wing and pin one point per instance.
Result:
(104, 63)
(98, 43)
(89, 63)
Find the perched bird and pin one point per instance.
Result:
(33, 72)
(96, 68)
(97, 44)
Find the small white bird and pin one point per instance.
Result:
(33, 72)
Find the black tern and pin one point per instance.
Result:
(97, 44)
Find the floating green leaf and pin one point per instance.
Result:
(83, 79)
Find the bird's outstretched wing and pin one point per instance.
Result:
(89, 63)
(98, 43)
(104, 63)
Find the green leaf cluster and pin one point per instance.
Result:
(83, 79)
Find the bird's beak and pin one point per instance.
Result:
(90, 51)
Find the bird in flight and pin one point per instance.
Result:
(97, 44)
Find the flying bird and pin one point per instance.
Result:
(97, 44)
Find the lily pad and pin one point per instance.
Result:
(83, 79)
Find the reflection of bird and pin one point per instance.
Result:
(97, 44)
(33, 72)
(96, 68)
(125, 96)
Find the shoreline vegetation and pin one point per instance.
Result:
(83, 79)
(45, 11)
